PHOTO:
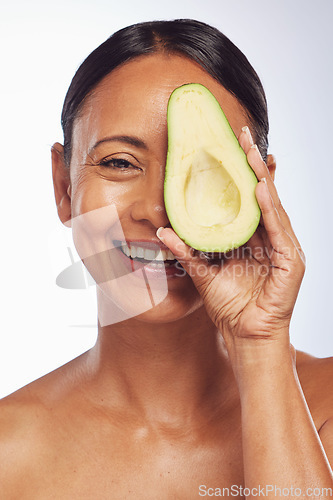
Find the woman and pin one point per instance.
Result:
(199, 390)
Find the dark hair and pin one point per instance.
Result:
(197, 41)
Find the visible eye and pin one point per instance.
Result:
(116, 163)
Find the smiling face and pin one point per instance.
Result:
(118, 160)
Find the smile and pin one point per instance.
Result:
(148, 255)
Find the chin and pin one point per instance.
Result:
(172, 308)
(146, 298)
(175, 306)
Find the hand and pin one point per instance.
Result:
(250, 293)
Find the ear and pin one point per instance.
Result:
(271, 165)
(61, 183)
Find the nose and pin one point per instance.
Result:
(149, 203)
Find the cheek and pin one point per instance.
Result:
(100, 209)
(91, 192)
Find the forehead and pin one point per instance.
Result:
(133, 99)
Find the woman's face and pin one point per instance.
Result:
(118, 161)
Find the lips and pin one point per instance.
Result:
(155, 257)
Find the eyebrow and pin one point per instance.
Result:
(128, 139)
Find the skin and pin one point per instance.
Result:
(203, 388)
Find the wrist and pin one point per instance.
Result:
(254, 358)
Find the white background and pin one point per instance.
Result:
(289, 42)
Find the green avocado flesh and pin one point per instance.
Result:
(209, 187)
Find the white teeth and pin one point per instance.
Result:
(147, 253)
(150, 254)
(140, 252)
(126, 250)
(159, 256)
(170, 255)
(133, 252)
(165, 254)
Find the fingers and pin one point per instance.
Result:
(285, 250)
(180, 250)
(259, 246)
(260, 169)
(256, 162)
(194, 263)
(245, 139)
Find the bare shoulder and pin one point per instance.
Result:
(20, 413)
(30, 407)
(22, 437)
(30, 424)
(316, 378)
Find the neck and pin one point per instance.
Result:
(163, 371)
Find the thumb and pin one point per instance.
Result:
(193, 261)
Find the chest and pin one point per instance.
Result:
(136, 468)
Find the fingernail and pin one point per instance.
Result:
(254, 146)
(158, 233)
(248, 133)
(264, 180)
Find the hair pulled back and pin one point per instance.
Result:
(196, 40)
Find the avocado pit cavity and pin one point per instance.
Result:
(211, 195)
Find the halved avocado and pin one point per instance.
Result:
(209, 185)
